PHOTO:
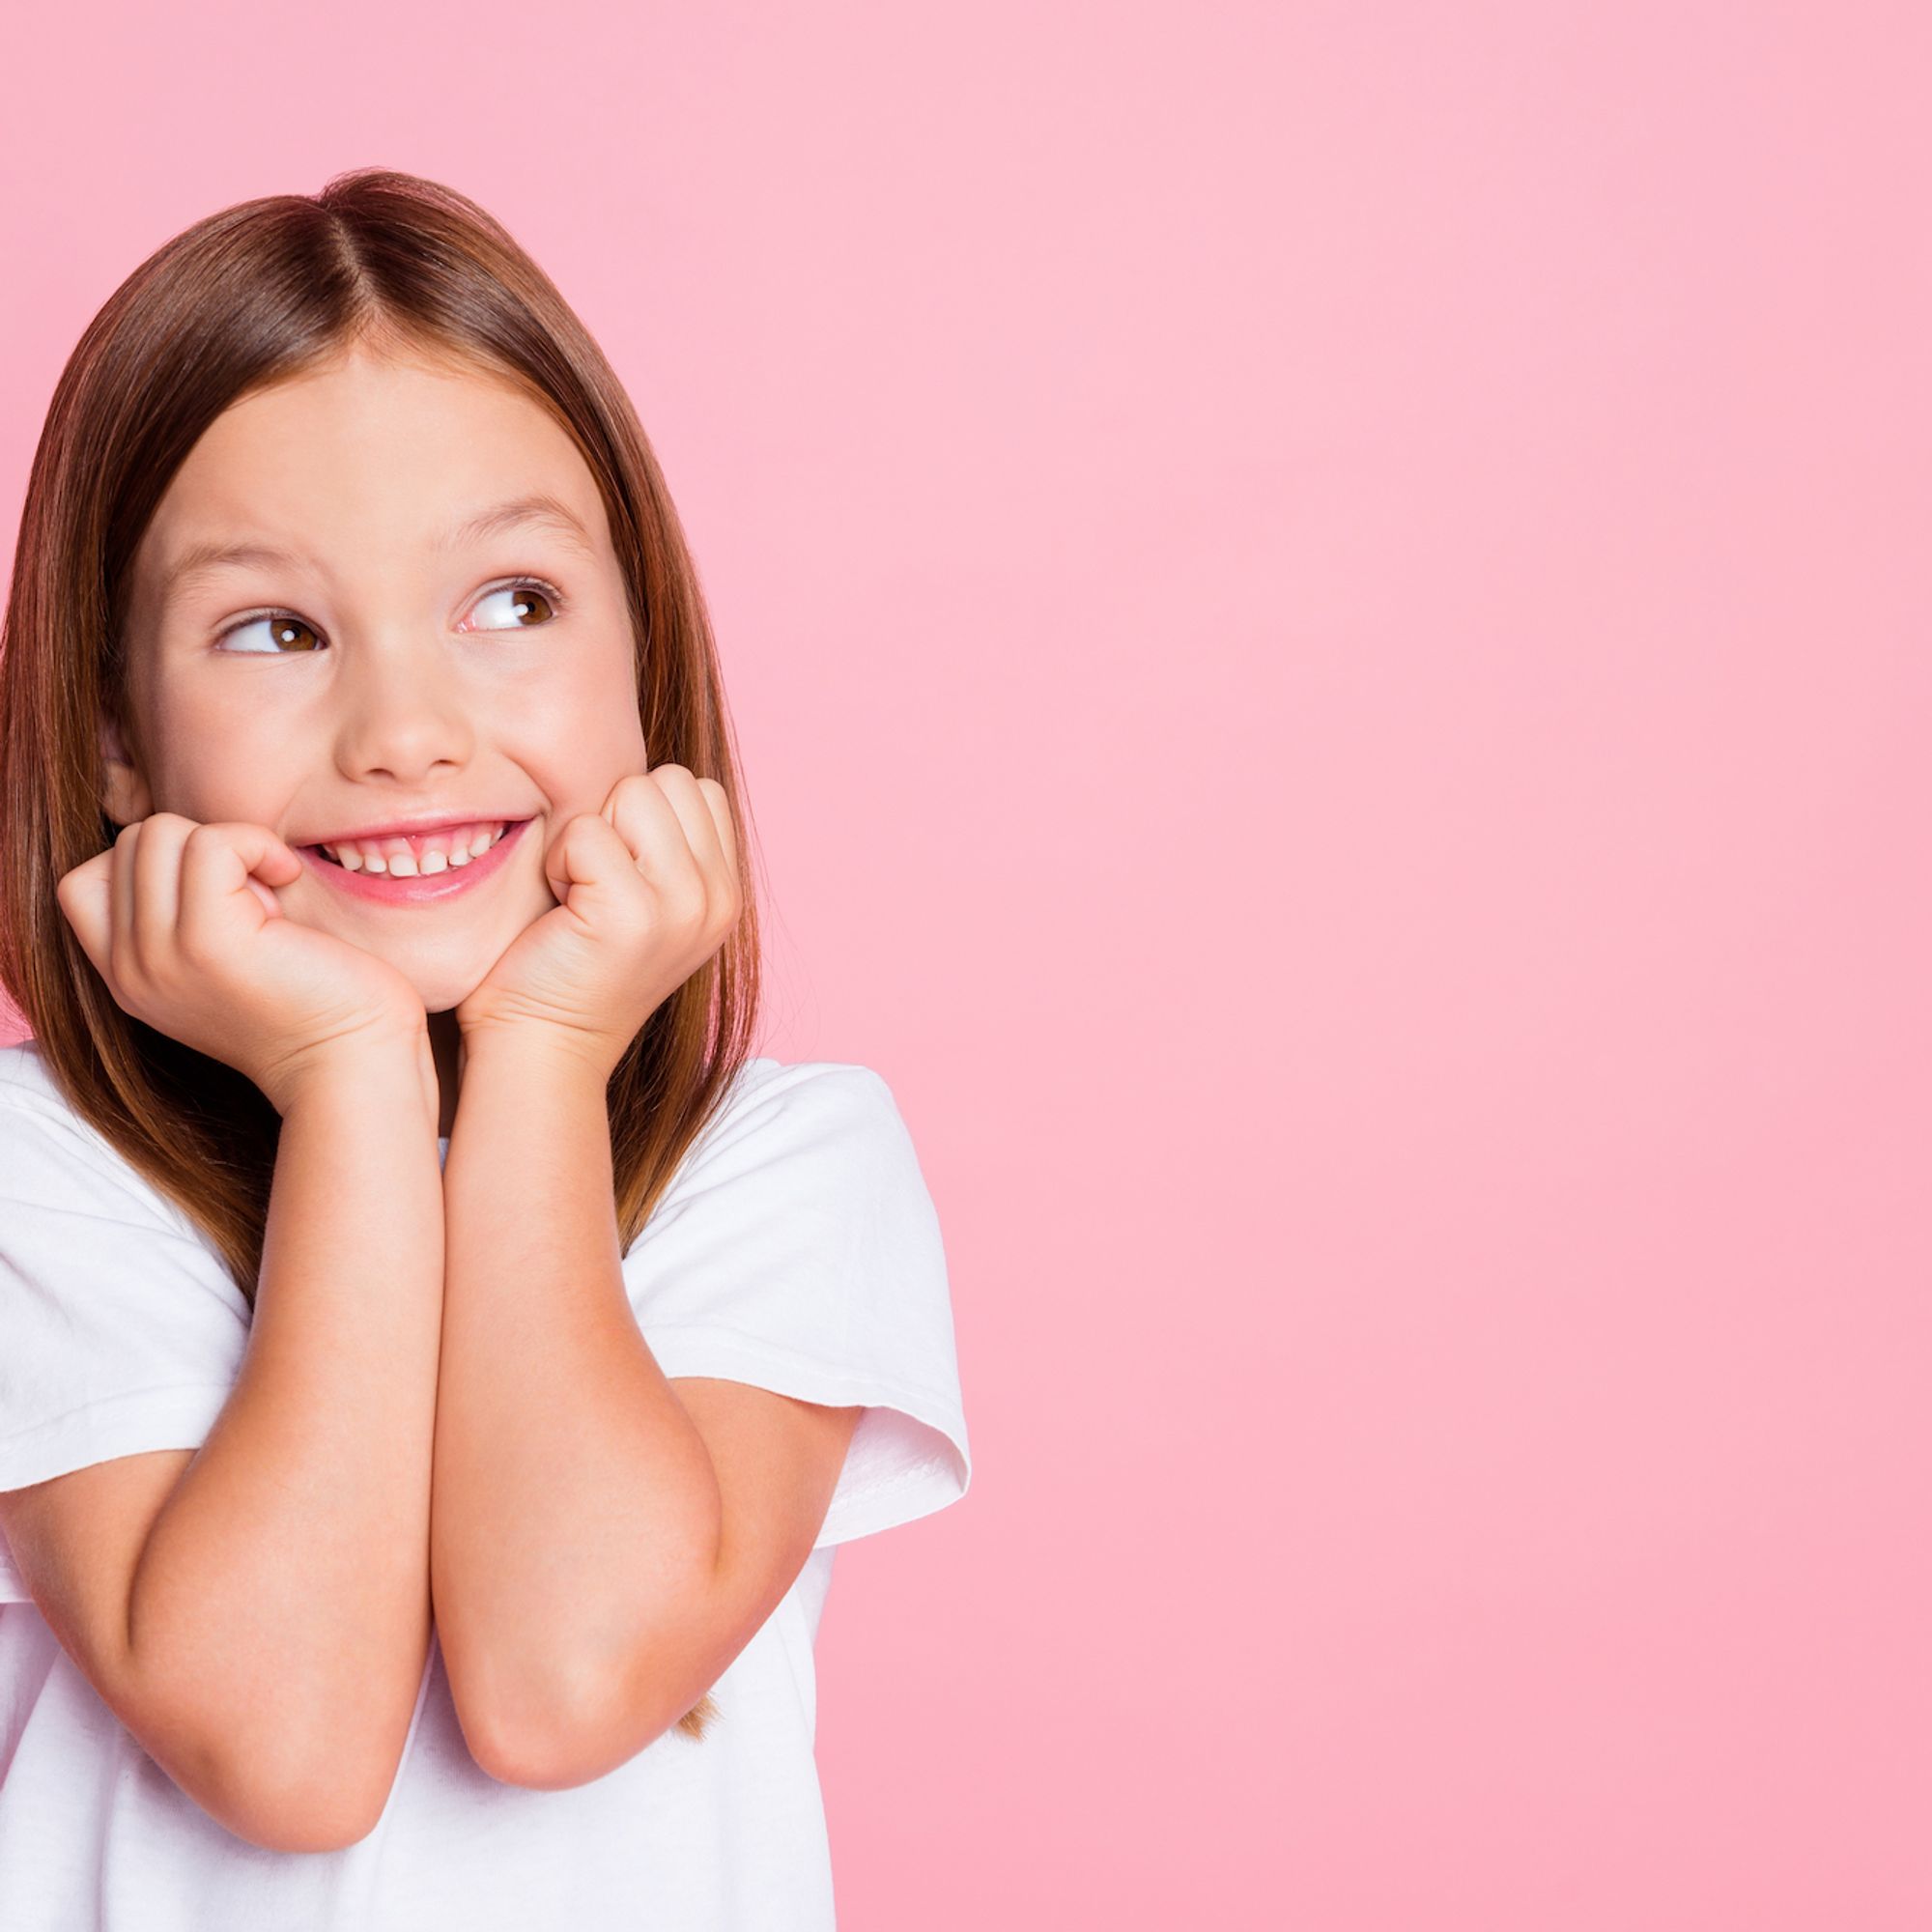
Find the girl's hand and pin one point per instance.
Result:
(647, 890)
(179, 922)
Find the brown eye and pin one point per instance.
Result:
(527, 605)
(284, 631)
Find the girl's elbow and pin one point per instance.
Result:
(587, 1732)
(324, 1812)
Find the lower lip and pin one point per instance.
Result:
(425, 889)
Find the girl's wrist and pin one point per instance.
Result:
(350, 1059)
(539, 1045)
(370, 1071)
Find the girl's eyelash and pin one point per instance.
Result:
(551, 594)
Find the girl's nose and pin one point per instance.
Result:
(403, 715)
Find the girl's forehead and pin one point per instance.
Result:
(431, 457)
(380, 408)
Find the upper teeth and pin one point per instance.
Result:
(430, 852)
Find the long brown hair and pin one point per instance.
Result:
(255, 294)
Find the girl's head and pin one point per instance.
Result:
(340, 519)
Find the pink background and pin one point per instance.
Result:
(1327, 609)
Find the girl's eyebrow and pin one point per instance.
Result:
(539, 511)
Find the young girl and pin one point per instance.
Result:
(437, 1356)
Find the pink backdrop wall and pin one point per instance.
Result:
(1327, 609)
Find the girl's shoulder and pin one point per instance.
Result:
(33, 1107)
(772, 1103)
(24, 1076)
(50, 1157)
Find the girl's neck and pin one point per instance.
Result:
(446, 1038)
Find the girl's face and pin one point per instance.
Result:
(386, 662)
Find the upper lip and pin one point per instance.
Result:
(406, 827)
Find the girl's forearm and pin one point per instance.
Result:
(282, 1597)
(575, 1506)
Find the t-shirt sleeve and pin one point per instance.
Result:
(797, 1248)
(120, 1330)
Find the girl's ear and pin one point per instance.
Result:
(123, 792)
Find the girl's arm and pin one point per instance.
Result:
(261, 1625)
(599, 1552)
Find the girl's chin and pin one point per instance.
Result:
(443, 983)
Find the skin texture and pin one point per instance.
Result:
(657, 1523)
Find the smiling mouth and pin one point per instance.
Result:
(427, 884)
(393, 856)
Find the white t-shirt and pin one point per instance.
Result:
(795, 1249)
